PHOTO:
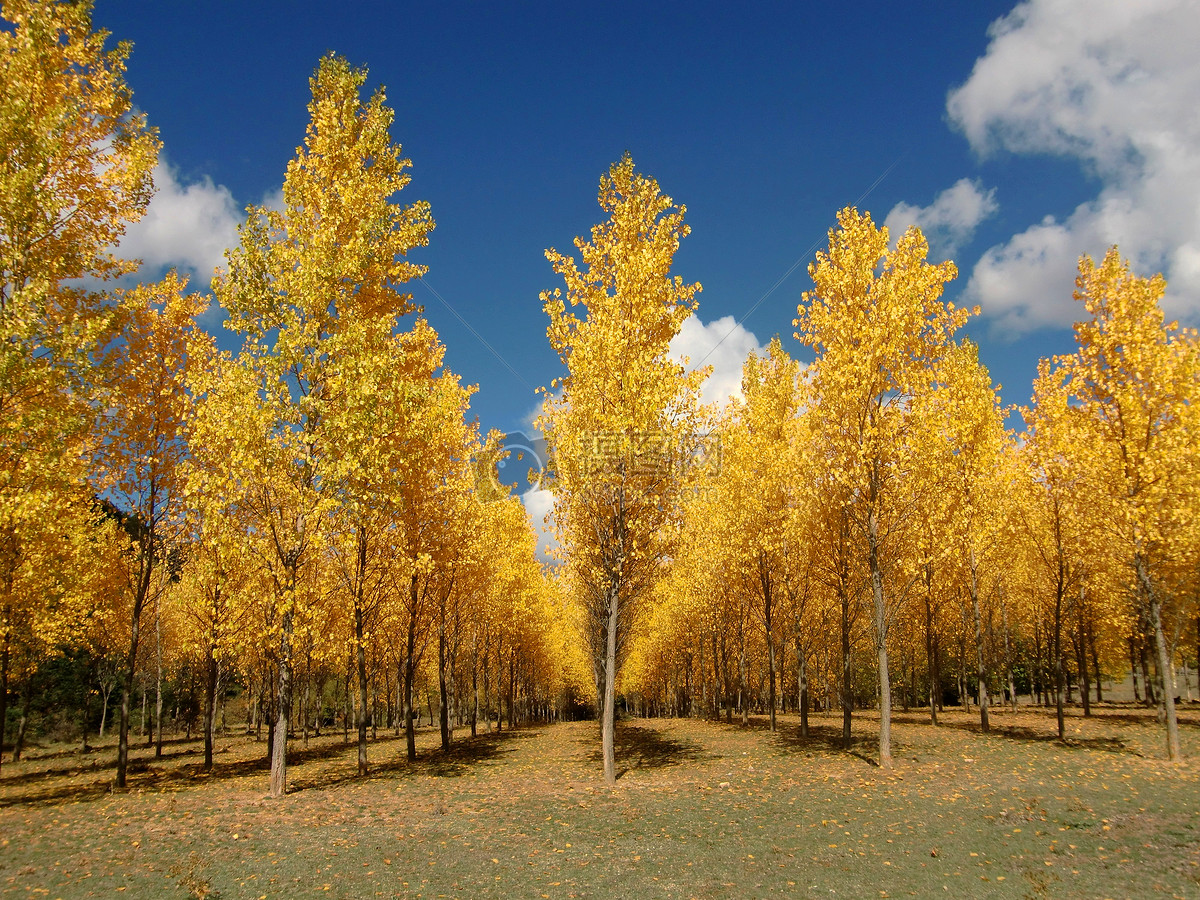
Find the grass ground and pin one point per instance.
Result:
(701, 809)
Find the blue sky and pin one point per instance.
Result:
(1066, 126)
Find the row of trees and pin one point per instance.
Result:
(873, 498)
(319, 503)
(319, 497)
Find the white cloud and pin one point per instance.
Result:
(273, 200)
(531, 417)
(723, 344)
(187, 226)
(1112, 84)
(539, 503)
(950, 221)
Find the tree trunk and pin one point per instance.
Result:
(475, 688)
(360, 662)
(158, 691)
(931, 660)
(105, 693)
(1037, 674)
(768, 610)
(500, 688)
(1008, 667)
(512, 688)
(1085, 684)
(885, 688)
(1058, 660)
(1164, 659)
(608, 722)
(374, 703)
(981, 665)
(443, 691)
(26, 696)
(1133, 672)
(251, 704)
(963, 684)
(360, 649)
(210, 696)
(726, 681)
(139, 600)
(305, 706)
(410, 666)
(83, 737)
(931, 646)
(487, 675)
(348, 700)
(399, 700)
(743, 685)
(1148, 689)
(1096, 663)
(4, 660)
(284, 700)
(210, 706)
(847, 684)
(802, 667)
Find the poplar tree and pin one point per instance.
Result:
(966, 458)
(302, 279)
(143, 442)
(1136, 377)
(757, 515)
(75, 168)
(879, 327)
(619, 431)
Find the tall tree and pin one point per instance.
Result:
(219, 569)
(301, 280)
(1051, 510)
(1137, 379)
(758, 475)
(968, 456)
(618, 433)
(75, 164)
(879, 326)
(402, 481)
(143, 442)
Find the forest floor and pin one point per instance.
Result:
(701, 809)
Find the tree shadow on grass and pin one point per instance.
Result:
(37, 775)
(170, 772)
(1185, 712)
(78, 761)
(640, 747)
(1026, 734)
(464, 755)
(75, 792)
(337, 764)
(827, 739)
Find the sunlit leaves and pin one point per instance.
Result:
(619, 433)
(75, 163)
(1129, 397)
